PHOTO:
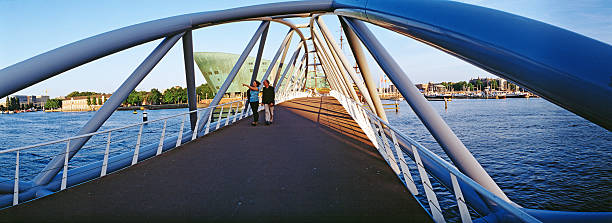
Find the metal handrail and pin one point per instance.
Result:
(109, 130)
(506, 206)
(283, 96)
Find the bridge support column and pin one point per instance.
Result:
(454, 148)
(340, 77)
(296, 76)
(284, 45)
(281, 63)
(190, 77)
(291, 61)
(262, 44)
(364, 68)
(344, 63)
(234, 71)
(54, 166)
(329, 74)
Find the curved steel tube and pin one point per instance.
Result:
(54, 62)
(287, 23)
(566, 68)
(108, 108)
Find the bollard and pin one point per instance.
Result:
(445, 104)
(144, 116)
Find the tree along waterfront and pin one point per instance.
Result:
(174, 95)
(53, 104)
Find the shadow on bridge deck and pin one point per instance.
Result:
(313, 164)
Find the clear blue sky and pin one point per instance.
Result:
(32, 27)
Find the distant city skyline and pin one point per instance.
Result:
(36, 28)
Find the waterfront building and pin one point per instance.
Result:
(80, 103)
(27, 100)
(215, 66)
(41, 100)
(439, 88)
(422, 87)
(23, 99)
(487, 82)
(502, 84)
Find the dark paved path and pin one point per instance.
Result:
(314, 164)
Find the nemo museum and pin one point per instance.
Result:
(215, 66)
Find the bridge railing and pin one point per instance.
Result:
(107, 151)
(111, 150)
(394, 146)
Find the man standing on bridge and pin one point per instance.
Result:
(268, 100)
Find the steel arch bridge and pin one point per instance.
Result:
(568, 69)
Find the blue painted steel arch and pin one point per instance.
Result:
(566, 68)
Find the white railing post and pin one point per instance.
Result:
(367, 122)
(350, 110)
(432, 200)
(219, 118)
(209, 120)
(359, 118)
(463, 210)
(65, 172)
(16, 187)
(106, 151)
(236, 111)
(137, 149)
(194, 132)
(348, 107)
(227, 118)
(180, 135)
(390, 155)
(244, 111)
(363, 116)
(161, 139)
(378, 144)
(404, 166)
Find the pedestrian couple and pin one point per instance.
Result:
(267, 99)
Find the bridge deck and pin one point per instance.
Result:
(312, 164)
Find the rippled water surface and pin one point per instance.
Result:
(38, 127)
(541, 155)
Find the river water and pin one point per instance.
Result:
(541, 155)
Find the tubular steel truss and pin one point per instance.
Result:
(519, 49)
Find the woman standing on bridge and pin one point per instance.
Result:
(254, 100)
(267, 98)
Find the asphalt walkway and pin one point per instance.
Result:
(313, 164)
